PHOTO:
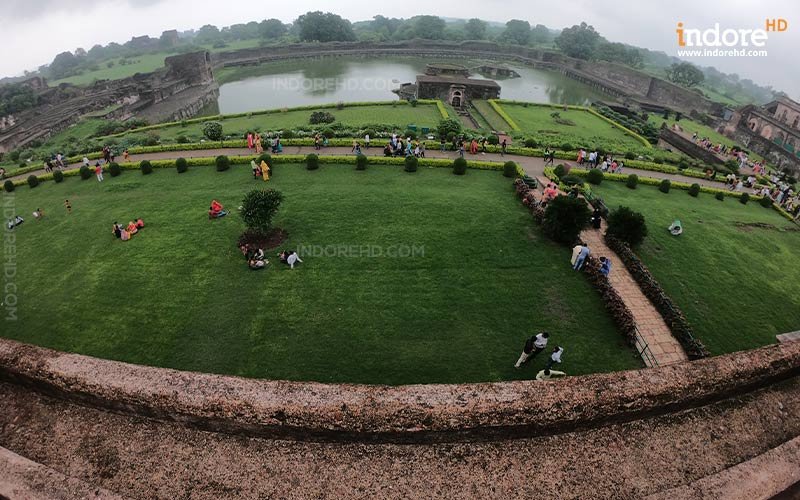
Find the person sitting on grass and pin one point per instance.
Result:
(216, 210)
(38, 214)
(139, 223)
(124, 235)
(116, 230)
(289, 257)
(132, 229)
(256, 264)
(548, 374)
(676, 228)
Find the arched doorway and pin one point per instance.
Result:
(457, 99)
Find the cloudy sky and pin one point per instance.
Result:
(35, 31)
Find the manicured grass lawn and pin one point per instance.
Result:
(494, 121)
(180, 295)
(739, 286)
(588, 131)
(401, 115)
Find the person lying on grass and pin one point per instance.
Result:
(256, 264)
(216, 210)
(289, 257)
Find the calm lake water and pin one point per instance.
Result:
(328, 80)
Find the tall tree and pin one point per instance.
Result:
(686, 74)
(327, 27)
(578, 41)
(208, 33)
(429, 27)
(271, 29)
(541, 34)
(475, 29)
(517, 32)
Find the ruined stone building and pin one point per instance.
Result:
(772, 130)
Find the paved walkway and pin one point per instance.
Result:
(533, 166)
(665, 348)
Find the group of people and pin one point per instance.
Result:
(14, 222)
(256, 258)
(606, 163)
(125, 233)
(580, 252)
(397, 147)
(256, 142)
(261, 171)
(533, 346)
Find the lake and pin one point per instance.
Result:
(356, 79)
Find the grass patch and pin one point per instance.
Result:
(179, 294)
(726, 269)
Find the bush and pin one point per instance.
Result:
(658, 160)
(594, 176)
(459, 166)
(720, 196)
(765, 202)
(266, 158)
(664, 186)
(85, 172)
(560, 170)
(530, 142)
(361, 162)
(259, 207)
(411, 164)
(33, 181)
(627, 225)
(146, 167)
(410, 133)
(493, 140)
(630, 155)
(321, 117)
(744, 198)
(683, 164)
(181, 165)
(694, 190)
(567, 147)
(212, 131)
(509, 169)
(151, 139)
(58, 176)
(572, 180)
(222, 162)
(8, 186)
(632, 181)
(448, 127)
(312, 161)
(114, 169)
(565, 218)
(182, 139)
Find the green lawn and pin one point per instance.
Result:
(490, 116)
(588, 130)
(738, 285)
(179, 294)
(423, 115)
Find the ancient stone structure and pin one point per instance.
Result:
(178, 90)
(772, 130)
(670, 139)
(456, 90)
(496, 71)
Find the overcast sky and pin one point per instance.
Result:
(36, 30)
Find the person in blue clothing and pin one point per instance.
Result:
(605, 266)
(585, 252)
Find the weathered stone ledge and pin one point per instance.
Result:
(413, 413)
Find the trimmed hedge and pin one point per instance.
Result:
(33, 181)
(114, 169)
(720, 196)
(694, 190)
(615, 305)
(312, 161)
(410, 163)
(632, 181)
(509, 169)
(181, 165)
(765, 202)
(594, 176)
(222, 162)
(9, 186)
(664, 186)
(146, 167)
(85, 172)
(459, 166)
(676, 321)
(361, 162)
(58, 176)
(744, 198)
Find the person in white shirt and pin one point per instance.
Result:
(555, 357)
(548, 374)
(533, 346)
(292, 259)
(366, 141)
(85, 161)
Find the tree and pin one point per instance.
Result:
(429, 27)
(619, 52)
(448, 127)
(63, 64)
(208, 33)
(627, 225)
(212, 131)
(475, 29)
(271, 29)
(565, 218)
(686, 74)
(259, 207)
(327, 27)
(578, 41)
(518, 32)
(541, 34)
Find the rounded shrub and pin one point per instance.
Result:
(530, 142)
(361, 162)
(565, 218)
(33, 181)
(627, 225)
(114, 169)
(459, 166)
(493, 140)
(181, 165)
(560, 170)
(594, 176)
(567, 146)
(765, 202)
(8, 186)
(146, 167)
(509, 169)
(259, 207)
(664, 186)
(58, 176)
(720, 196)
(744, 198)
(266, 158)
(212, 131)
(658, 160)
(85, 172)
(630, 155)
(694, 190)
(312, 161)
(411, 164)
(632, 181)
(222, 162)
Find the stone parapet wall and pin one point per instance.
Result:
(414, 413)
(668, 137)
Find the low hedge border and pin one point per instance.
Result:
(494, 103)
(442, 110)
(673, 316)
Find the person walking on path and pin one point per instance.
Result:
(366, 141)
(533, 346)
(503, 146)
(547, 374)
(555, 357)
(585, 252)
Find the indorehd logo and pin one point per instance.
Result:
(716, 42)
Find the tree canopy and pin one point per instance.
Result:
(324, 27)
(686, 74)
(475, 29)
(517, 32)
(579, 41)
(429, 27)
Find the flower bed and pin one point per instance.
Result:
(673, 316)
